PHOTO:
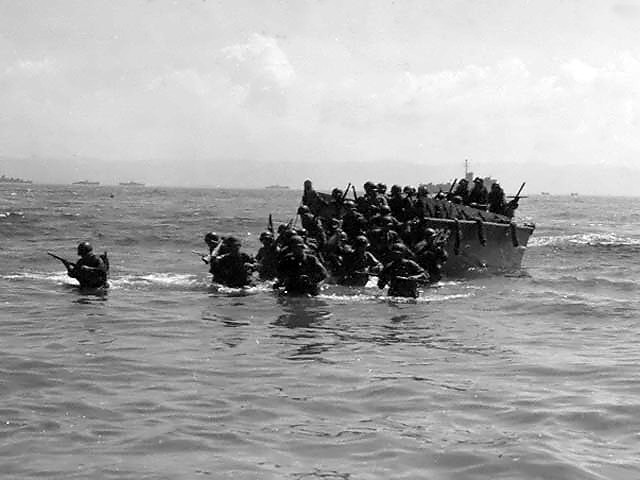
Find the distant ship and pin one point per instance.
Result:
(277, 187)
(544, 193)
(132, 184)
(85, 182)
(574, 194)
(5, 179)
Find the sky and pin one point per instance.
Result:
(250, 93)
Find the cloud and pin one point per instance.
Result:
(259, 62)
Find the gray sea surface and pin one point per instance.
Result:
(530, 375)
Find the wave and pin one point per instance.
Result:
(623, 284)
(184, 281)
(584, 239)
(11, 214)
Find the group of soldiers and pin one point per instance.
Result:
(342, 241)
(377, 234)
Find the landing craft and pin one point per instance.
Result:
(474, 239)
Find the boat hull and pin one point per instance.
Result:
(481, 246)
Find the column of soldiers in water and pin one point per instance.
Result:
(378, 234)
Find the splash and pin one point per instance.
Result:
(584, 239)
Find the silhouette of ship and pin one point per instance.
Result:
(277, 187)
(5, 179)
(132, 184)
(85, 182)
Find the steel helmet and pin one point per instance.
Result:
(84, 248)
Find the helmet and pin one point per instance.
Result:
(303, 209)
(478, 180)
(385, 210)
(369, 186)
(296, 240)
(211, 237)
(382, 187)
(361, 240)
(396, 189)
(84, 248)
(232, 242)
(336, 192)
(349, 203)
(429, 232)
(266, 236)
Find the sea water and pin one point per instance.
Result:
(530, 375)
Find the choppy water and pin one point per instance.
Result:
(531, 376)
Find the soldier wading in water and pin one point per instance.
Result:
(90, 270)
(300, 272)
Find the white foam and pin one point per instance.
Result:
(589, 239)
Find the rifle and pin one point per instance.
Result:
(517, 196)
(355, 195)
(344, 195)
(513, 204)
(455, 180)
(270, 224)
(66, 262)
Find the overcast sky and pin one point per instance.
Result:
(144, 85)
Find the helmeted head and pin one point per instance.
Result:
(382, 188)
(495, 186)
(423, 191)
(296, 243)
(396, 189)
(478, 180)
(361, 242)
(232, 243)
(211, 238)
(349, 204)
(385, 210)
(463, 181)
(266, 237)
(84, 248)
(337, 193)
(429, 233)
(369, 187)
(302, 209)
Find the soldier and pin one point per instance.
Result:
(232, 269)
(396, 203)
(431, 255)
(300, 272)
(461, 191)
(359, 264)
(267, 257)
(402, 275)
(90, 270)
(496, 199)
(353, 222)
(478, 197)
(312, 225)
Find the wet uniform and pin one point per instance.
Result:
(301, 274)
(232, 269)
(90, 278)
(396, 275)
